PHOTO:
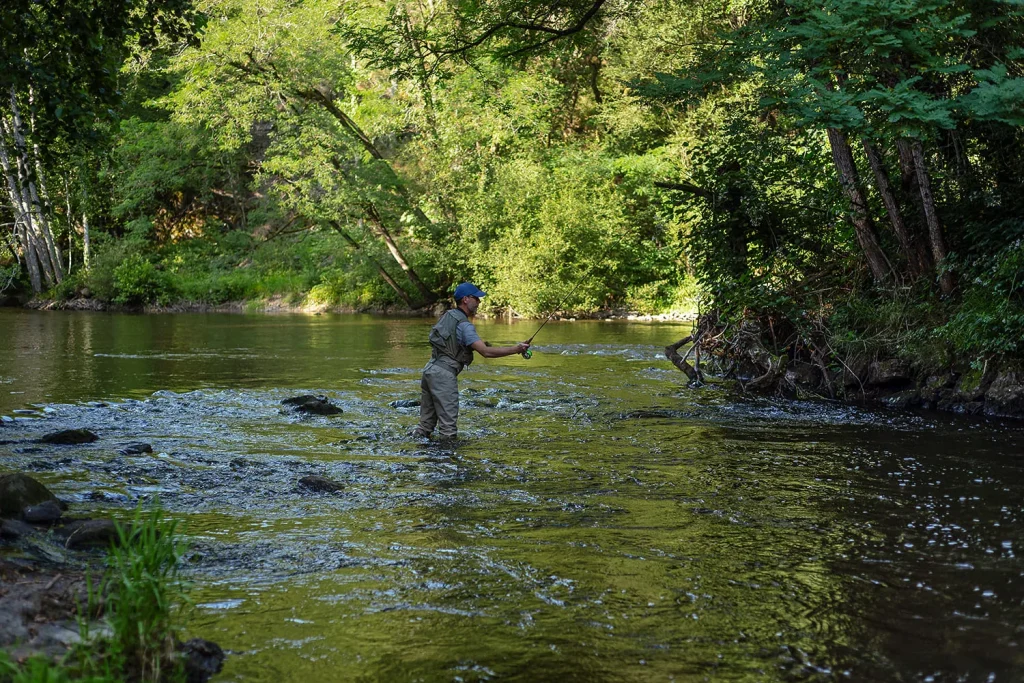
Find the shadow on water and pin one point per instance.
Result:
(597, 522)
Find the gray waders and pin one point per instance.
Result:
(439, 397)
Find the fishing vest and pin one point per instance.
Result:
(444, 343)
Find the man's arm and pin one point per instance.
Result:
(497, 351)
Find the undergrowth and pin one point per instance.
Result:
(141, 596)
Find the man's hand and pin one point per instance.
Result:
(486, 351)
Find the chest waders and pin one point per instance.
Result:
(439, 395)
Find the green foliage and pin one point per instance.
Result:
(40, 669)
(136, 281)
(143, 593)
(990, 319)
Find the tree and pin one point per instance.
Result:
(61, 60)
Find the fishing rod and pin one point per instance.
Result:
(528, 354)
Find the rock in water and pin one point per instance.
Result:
(19, 491)
(405, 403)
(202, 659)
(89, 532)
(312, 405)
(46, 512)
(135, 448)
(320, 484)
(70, 437)
(13, 529)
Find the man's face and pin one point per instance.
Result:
(470, 303)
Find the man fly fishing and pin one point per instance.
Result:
(452, 343)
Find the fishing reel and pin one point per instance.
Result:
(527, 354)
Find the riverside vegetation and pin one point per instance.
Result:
(841, 180)
(128, 622)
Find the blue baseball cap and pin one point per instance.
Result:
(468, 289)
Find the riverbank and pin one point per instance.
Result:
(764, 357)
(284, 305)
(91, 597)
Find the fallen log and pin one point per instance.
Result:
(672, 353)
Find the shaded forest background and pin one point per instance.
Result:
(847, 167)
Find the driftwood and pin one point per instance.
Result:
(672, 353)
(769, 379)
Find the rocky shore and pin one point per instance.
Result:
(48, 560)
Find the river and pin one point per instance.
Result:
(600, 521)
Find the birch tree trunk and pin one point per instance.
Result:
(85, 240)
(23, 232)
(863, 226)
(49, 258)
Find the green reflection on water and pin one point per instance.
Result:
(568, 538)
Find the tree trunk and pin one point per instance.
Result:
(85, 240)
(380, 269)
(935, 236)
(28, 247)
(349, 124)
(863, 226)
(37, 225)
(378, 227)
(23, 233)
(42, 199)
(917, 258)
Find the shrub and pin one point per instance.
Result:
(137, 281)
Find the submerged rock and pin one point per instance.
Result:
(46, 512)
(83, 533)
(320, 484)
(312, 405)
(202, 659)
(19, 491)
(405, 403)
(651, 414)
(70, 437)
(135, 448)
(904, 399)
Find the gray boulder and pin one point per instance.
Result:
(312, 405)
(46, 512)
(13, 529)
(887, 373)
(70, 437)
(19, 491)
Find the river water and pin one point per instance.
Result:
(600, 521)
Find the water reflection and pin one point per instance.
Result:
(599, 523)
